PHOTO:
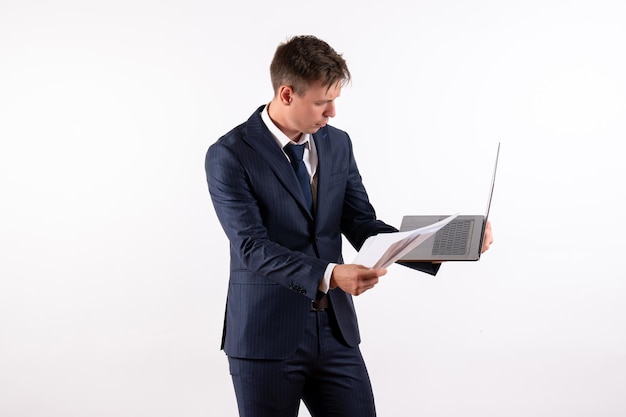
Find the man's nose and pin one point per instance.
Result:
(330, 110)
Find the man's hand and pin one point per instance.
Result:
(355, 279)
(488, 238)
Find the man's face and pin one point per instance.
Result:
(311, 111)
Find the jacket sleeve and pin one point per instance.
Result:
(237, 208)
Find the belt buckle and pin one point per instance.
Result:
(314, 308)
(320, 304)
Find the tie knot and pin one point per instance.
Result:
(295, 152)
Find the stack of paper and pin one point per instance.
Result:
(384, 249)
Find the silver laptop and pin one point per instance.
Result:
(459, 240)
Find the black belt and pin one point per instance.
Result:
(320, 304)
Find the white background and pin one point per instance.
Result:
(113, 267)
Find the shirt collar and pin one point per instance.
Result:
(281, 139)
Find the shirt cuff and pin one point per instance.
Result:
(325, 283)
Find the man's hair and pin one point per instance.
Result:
(304, 60)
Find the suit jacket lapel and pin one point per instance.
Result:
(262, 141)
(322, 145)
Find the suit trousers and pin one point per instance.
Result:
(326, 374)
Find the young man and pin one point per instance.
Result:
(290, 329)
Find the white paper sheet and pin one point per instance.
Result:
(384, 249)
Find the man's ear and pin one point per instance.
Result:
(285, 93)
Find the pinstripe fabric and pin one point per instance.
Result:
(330, 377)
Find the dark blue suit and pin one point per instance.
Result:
(278, 249)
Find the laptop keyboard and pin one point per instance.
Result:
(452, 239)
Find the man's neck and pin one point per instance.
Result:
(277, 117)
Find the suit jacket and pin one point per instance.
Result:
(278, 249)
